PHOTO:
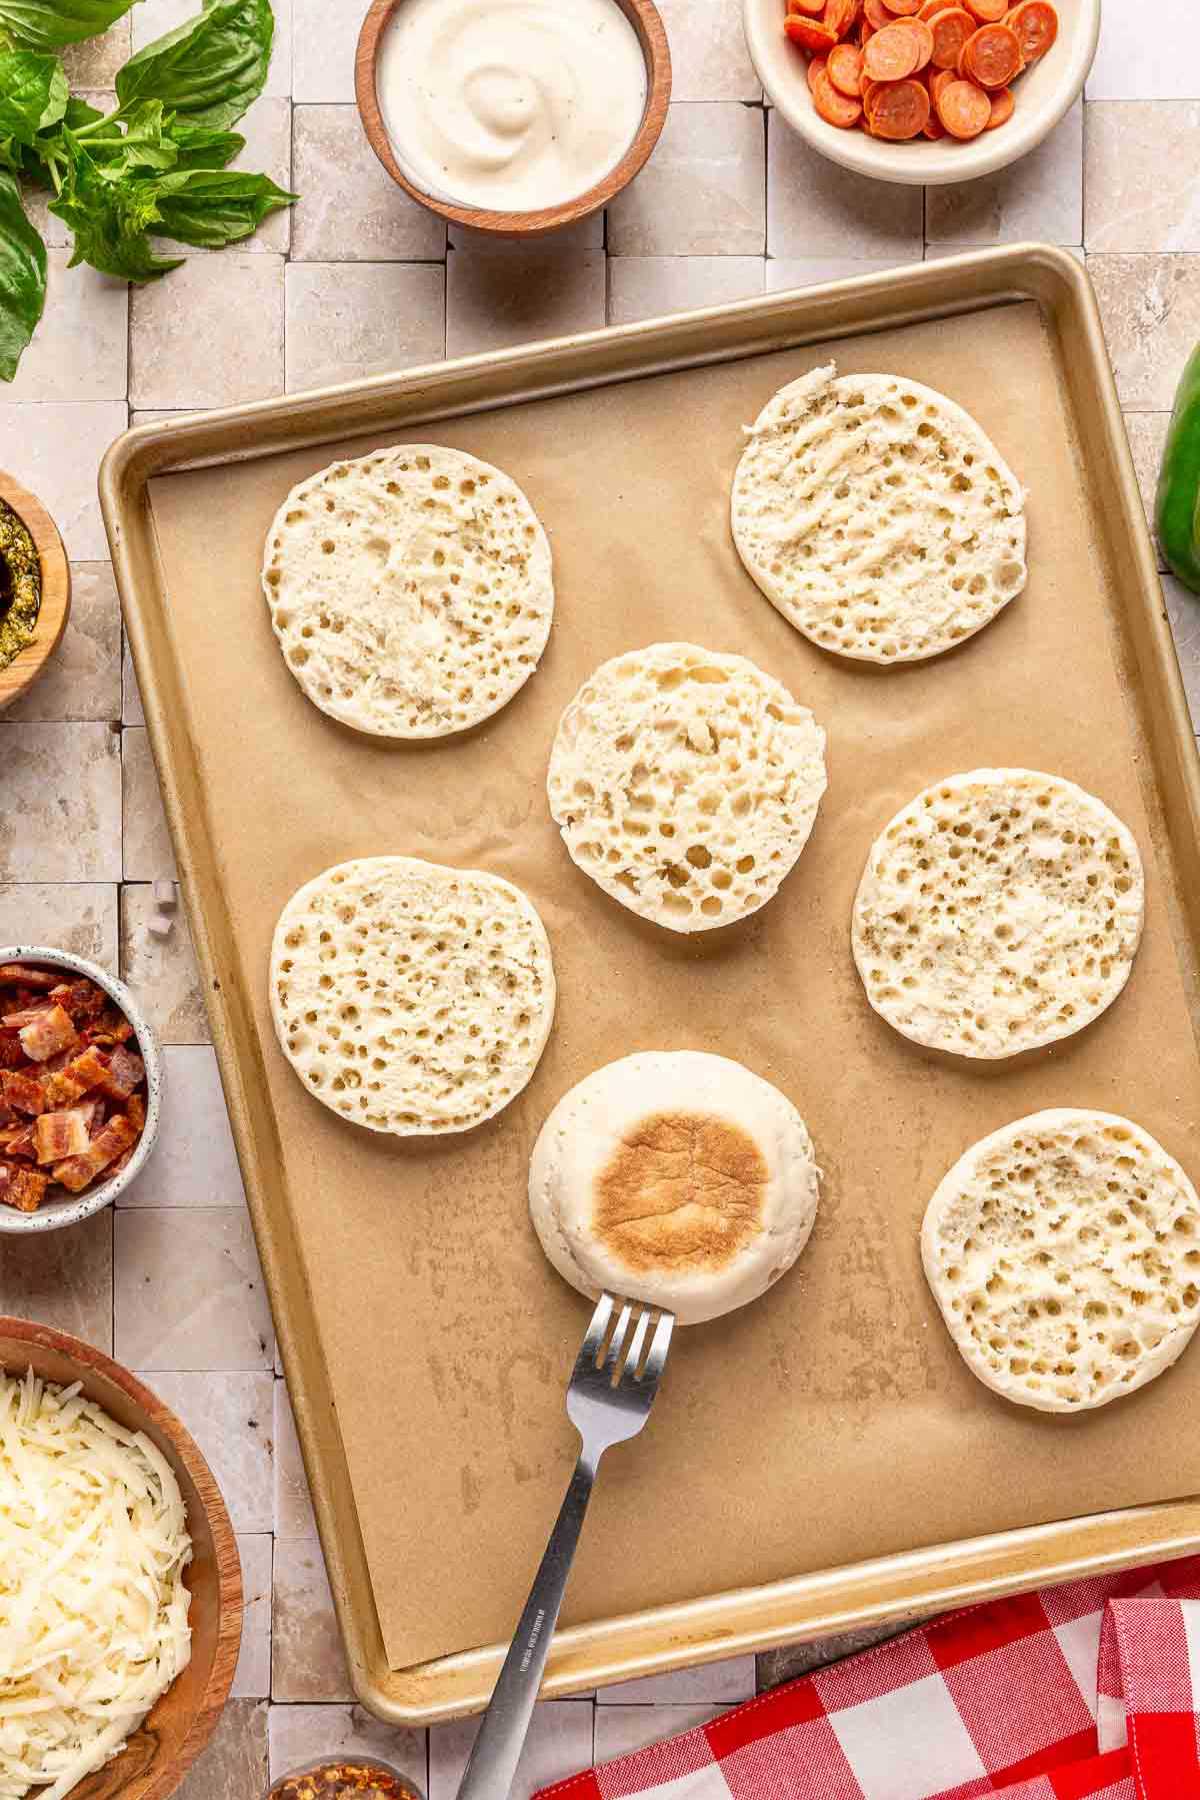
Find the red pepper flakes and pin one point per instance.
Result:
(344, 1781)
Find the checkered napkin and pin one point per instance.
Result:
(1085, 1692)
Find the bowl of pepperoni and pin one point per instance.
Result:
(922, 91)
(81, 1079)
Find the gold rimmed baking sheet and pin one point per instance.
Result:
(822, 1456)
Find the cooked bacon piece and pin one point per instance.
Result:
(23, 1188)
(60, 1134)
(118, 1136)
(82, 999)
(81, 1075)
(28, 1015)
(19, 975)
(47, 1033)
(136, 1111)
(125, 1072)
(11, 1054)
(21, 1093)
(18, 1143)
(92, 1114)
(110, 1028)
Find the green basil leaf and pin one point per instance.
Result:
(56, 104)
(212, 207)
(33, 93)
(22, 277)
(110, 219)
(211, 68)
(200, 147)
(79, 113)
(49, 24)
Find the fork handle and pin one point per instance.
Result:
(489, 1773)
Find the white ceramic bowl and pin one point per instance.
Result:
(73, 1207)
(1044, 93)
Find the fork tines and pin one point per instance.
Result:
(619, 1353)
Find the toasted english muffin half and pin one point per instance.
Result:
(677, 1178)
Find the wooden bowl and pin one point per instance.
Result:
(56, 592)
(160, 1752)
(642, 15)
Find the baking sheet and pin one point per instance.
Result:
(832, 1421)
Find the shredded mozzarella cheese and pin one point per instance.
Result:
(93, 1607)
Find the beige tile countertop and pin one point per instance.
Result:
(358, 280)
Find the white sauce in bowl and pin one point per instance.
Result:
(510, 105)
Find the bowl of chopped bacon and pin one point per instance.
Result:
(80, 1088)
(923, 91)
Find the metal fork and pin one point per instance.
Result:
(609, 1399)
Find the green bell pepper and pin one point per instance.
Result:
(1177, 508)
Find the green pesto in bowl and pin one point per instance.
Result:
(20, 586)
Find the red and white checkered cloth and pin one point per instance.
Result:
(1085, 1692)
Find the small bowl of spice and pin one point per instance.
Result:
(514, 117)
(80, 1088)
(35, 589)
(346, 1779)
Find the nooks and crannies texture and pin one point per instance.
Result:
(685, 782)
(410, 997)
(411, 591)
(877, 516)
(1064, 1253)
(1000, 910)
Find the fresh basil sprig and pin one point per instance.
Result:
(153, 168)
(49, 24)
(110, 219)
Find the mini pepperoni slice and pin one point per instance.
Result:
(899, 110)
(951, 27)
(992, 56)
(925, 36)
(940, 79)
(898, 51)
(846, 69)
(1036, 25)
(817, 64)
(833, 107)
(840, 15)
(1003, 106)
(988, 12)
(903, 9)
(877, 15)
(932, 7)
(813, 7)
(933, 127)
(809, 34)
(964, 109)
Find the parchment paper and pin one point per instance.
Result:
(832, 1420)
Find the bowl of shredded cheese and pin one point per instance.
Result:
(120, 1586)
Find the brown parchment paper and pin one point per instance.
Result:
(832, 1420)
